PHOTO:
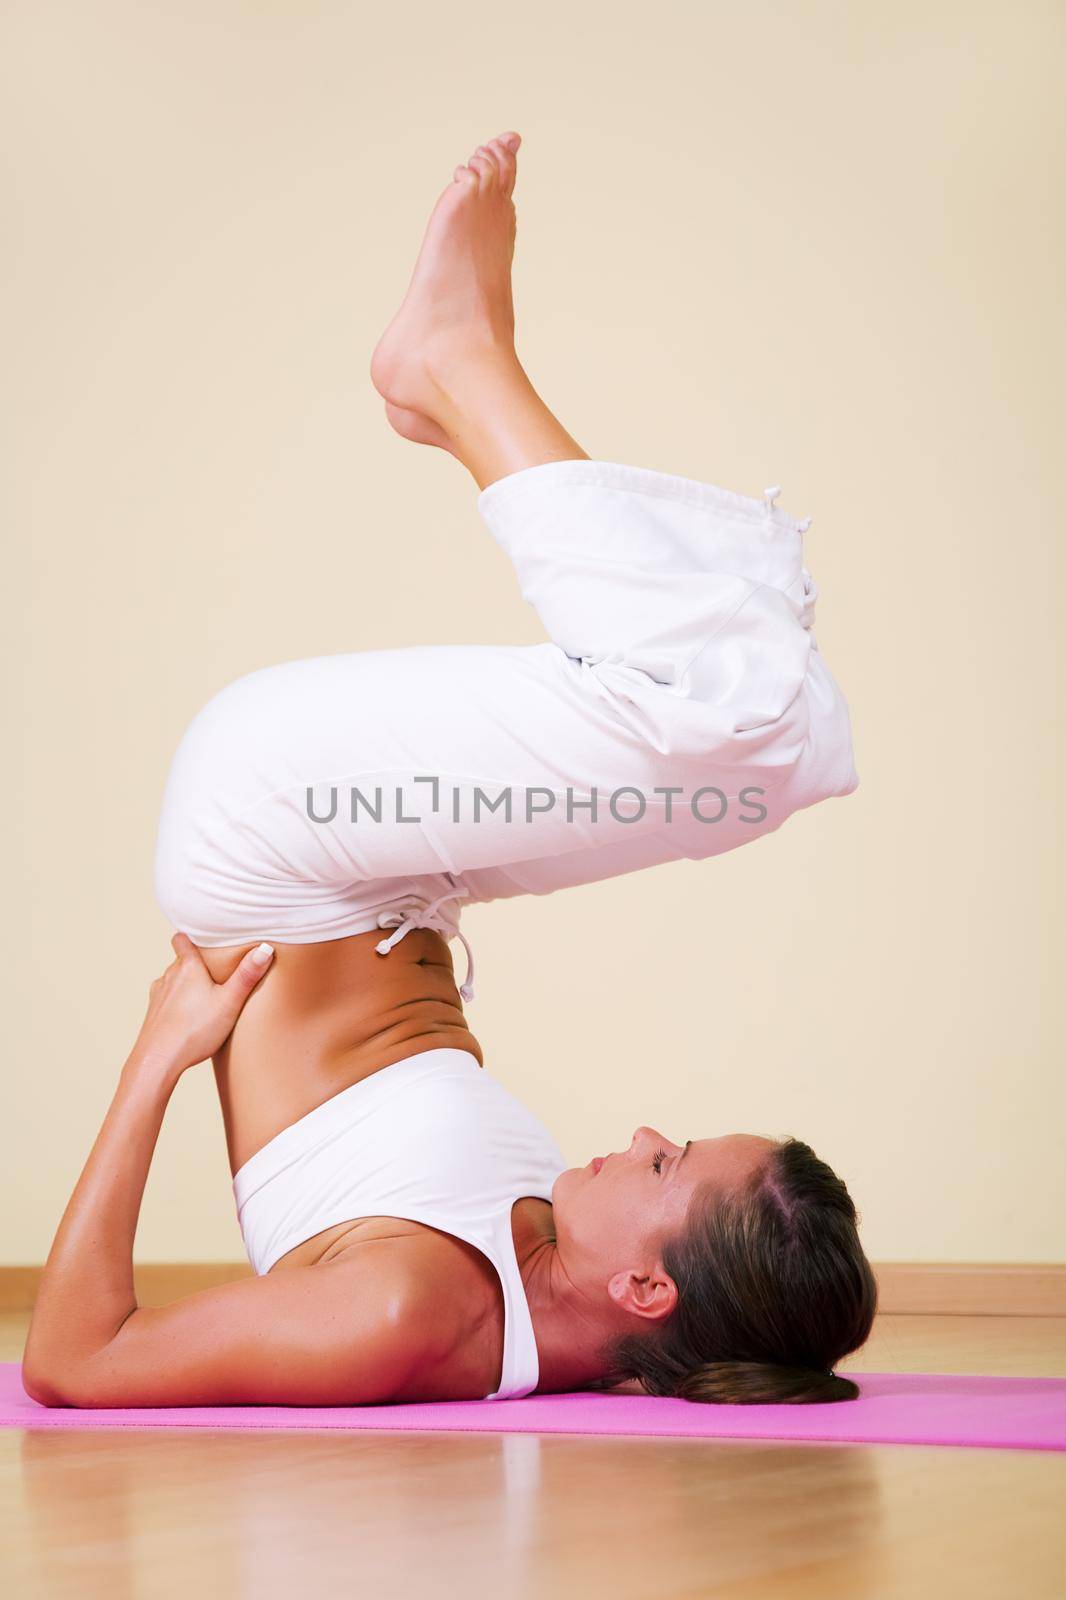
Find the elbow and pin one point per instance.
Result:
(43, 1385)
(57, 1385)
(45, 1367)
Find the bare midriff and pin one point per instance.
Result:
(326, 1016)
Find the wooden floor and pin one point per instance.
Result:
(521, 1517)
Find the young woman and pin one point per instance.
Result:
(415, 1232)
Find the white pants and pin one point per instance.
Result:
(680, 709)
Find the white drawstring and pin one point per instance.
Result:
(772, 494)
(429, 917)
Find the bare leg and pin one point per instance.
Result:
(446, 365)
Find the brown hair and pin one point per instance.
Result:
(773, 1289)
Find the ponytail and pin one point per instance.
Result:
(763, 1383)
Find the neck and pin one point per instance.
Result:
(570, 1330)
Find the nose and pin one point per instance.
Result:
(647, 1136)
(646, 1139)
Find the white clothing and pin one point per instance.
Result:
(680, 657)
(432, 1139)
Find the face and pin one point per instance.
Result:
(612, 1216)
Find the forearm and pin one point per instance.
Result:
(86, 1291)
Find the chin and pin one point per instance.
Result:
(565, 1184)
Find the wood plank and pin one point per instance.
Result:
(923, 1288)
(156, 1282)
(99, 1514)
(972, 1289)
(1006, 1347)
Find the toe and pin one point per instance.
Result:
(506, 164)
(484, 164)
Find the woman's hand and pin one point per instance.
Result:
(190, 1016)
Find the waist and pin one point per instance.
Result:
(331, 1015)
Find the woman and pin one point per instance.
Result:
(415, 1233)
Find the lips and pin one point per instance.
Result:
(597, 1163)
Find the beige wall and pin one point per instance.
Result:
(811, 244)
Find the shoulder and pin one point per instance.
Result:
(437, 1314)
(380, 1287)
(395, 1288)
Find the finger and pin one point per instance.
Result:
(252, 967)
(182, 945)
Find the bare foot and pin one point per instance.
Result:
(458, 304)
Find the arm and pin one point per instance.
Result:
(333, 1334)
(293, 1338)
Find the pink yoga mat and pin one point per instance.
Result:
(893, 1408)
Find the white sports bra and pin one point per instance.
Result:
(431, 1139)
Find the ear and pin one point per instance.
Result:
(651, 1295)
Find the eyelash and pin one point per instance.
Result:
(657, 1160)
